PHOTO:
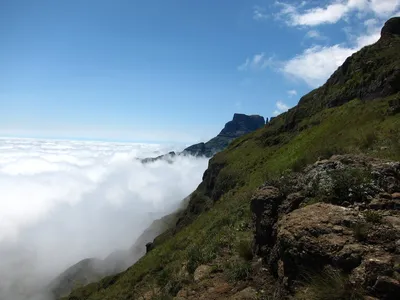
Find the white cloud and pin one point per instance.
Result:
(280, 108)
(315, 34)
(259, 13)
(384, 7)
(292, 93)
(257, 62)
(316, 64)
(335, 11)
(87, 197)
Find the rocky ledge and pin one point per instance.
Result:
(338, 216)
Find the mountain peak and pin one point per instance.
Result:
(242, 124)
(391, 27)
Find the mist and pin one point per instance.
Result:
(63, 201)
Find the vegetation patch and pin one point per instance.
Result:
(360, 231)
(372, 216)
(349, 185)
(238, 270)
(245, 250)
(329, 284)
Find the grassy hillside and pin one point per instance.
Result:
(354, 112)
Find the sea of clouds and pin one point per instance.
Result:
(62, 201)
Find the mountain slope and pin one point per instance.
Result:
(356, 111)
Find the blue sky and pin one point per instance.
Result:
(168, 71)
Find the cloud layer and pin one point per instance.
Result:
(87, 197)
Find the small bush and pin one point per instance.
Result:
(349, 185)
(360, 231)
(245, 250)
(368, 140)
(197, 256)
(163, 277)
(330, 284)
(299, 164)
(239, 270)
(373, 217)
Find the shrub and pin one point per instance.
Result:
(368, 140)
(299, 164)
(349, 185)
(245, 250)
(330, 284)
(197, 256)
(239, 270)
(163, 277)
(373, 217)
(360, 231)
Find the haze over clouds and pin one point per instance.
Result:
(63, 201)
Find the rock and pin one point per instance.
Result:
(257, 265)
(391, 27)
(264, 205)
(307, 237)
(201, 272)
(294, 200)
(149, 247)
(394, 107)
(222, 288)
(248, 293)
(386, 196)
(182, 294)
(149, 295)
(396, 196)
(387, 287)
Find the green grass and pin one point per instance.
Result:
(373, 216)
(329, 284)
(238, 270)
(244, 249)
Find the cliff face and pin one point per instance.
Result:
(304, 208)
(240, 125)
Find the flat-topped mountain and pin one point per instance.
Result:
(240, 125)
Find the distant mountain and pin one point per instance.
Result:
(92, 269)
(240, 125)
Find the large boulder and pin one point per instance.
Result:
(342, 212)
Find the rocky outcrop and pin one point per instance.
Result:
(391, 27)
(328, 215)
(241, 124)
